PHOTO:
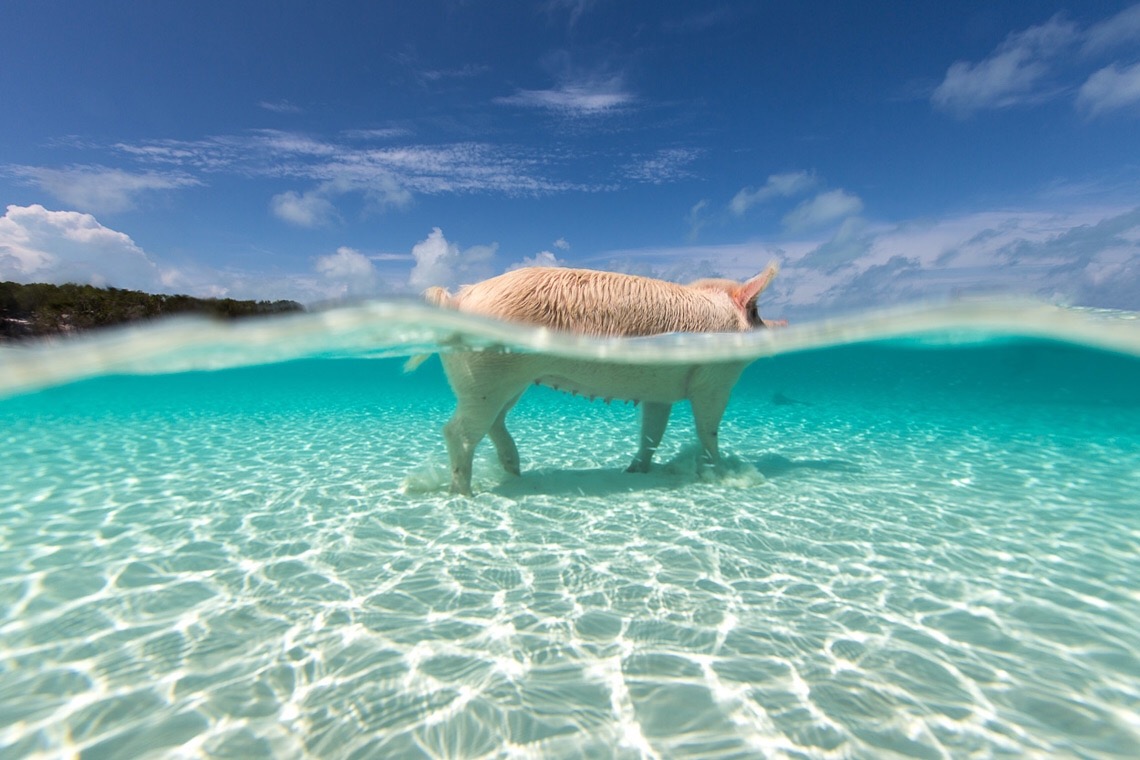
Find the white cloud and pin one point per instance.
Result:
(850, 243)
(38, 245)
(703, 19)
(98, 189)
(345, 264)
(540, 259)
(466, 71)
(578, 98)
(561, 244)
(696, 218)
(382, 191)
(1110, 89)
(439, 262)
(379, 134)
(280, 106)
(576, 8)
(315, 207)
(1012, 74)
(390, 174)
(349, 272)
(1085, 258)
(777, 186)
(309, 209)
(667, 165)
(435, 260)
(1122, 28)
(823, 209)
(294, 143)
(1046, 61)
(1089, 257)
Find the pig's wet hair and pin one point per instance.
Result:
(610, 304)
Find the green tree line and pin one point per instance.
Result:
(40, 309)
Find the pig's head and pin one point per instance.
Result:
(744, 296)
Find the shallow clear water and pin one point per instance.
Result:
(924, 543)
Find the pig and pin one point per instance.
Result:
(487, 384)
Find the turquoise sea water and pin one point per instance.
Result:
(237, 542)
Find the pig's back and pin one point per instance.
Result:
(599, 303)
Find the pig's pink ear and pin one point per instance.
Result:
(754, 287)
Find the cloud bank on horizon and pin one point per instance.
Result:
(1009, 165)
(1087, 258)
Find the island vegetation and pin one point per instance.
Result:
(39, 309)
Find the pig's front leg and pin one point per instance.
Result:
(475, 416)
(654, 419)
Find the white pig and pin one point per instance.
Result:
(487, 384)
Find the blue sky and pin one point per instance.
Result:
(883, 152)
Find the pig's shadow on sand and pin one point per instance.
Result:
(607, 481)
(775, 465)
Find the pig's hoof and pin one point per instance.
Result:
(709, 473)
(638, 466)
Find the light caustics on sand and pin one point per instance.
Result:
(924, 542)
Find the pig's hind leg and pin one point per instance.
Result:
(504, 443)
(708, 410)
(654, 420)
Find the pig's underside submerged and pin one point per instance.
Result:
(487, 384)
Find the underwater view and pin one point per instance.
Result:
(238, 541)
(561, 379)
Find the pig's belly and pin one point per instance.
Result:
(626, 382)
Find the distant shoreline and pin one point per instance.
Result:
(38, 310)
